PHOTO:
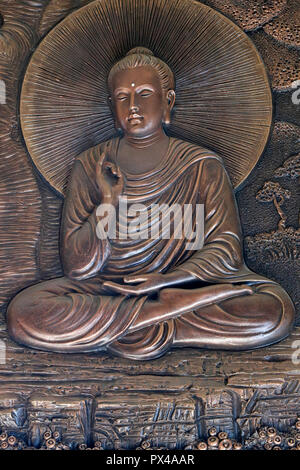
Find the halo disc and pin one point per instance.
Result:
(223, 98)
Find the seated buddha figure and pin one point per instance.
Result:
(138, 297)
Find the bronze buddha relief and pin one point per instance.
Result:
(139, 297)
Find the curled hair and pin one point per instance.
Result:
(141, 57)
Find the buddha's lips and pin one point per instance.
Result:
(134, 117)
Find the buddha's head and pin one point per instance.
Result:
(142, 93)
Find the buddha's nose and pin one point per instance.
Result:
(133, 105)
(134, 109)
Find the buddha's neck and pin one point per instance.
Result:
(143, 142)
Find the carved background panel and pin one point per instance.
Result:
(89, 399)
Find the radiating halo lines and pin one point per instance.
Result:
(223, 98)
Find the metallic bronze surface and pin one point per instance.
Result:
(139, 297)
(98, 400)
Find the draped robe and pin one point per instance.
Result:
(76, 313)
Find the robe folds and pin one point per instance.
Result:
(76, 313)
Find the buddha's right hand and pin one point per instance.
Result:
(110, 181)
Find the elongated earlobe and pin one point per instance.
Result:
(170, 104)
(167, 118)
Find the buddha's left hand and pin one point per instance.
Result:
(141, 284)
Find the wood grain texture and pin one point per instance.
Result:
(49, 252)
(20, 201)
(26, 209)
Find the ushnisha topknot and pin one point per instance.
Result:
(140, 51)
(141, 57)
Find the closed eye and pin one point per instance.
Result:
(146, 93)
(121, 97)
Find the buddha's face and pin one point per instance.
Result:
(140, 105)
